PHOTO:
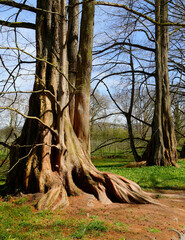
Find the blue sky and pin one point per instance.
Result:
(103, 22)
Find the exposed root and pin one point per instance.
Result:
(180, 235)
(55, 198)
(120, 189)
(135, 164)
(109, 187)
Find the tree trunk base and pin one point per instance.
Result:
(55, 198)
(107, 188)
(58, 174)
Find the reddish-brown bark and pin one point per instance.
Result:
(55, 160)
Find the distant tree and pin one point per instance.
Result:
(161, 149)
(150, 18)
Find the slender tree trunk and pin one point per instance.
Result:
(161, 150)
(82, 100)
(49, 157)
(73, 31)
(129, 114)
(131, 137)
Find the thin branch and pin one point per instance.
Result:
(121, 110)
(153, 4)
(138, 13)
(30, 117)
(18, 24)
(113, 142)
(122, 44)
(4, 160)
(20, 159)
(105, 116)
(14, 4)
(5, 145)
(42, 60)
(34, 92)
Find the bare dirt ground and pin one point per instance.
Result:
(142, 222)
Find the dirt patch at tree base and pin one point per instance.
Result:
(142, 221)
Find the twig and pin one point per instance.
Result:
(30, 117)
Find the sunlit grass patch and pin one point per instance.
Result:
(21, 222)
(149, 177)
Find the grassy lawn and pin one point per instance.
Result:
(19, 221)
(146, 177)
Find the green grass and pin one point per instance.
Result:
(154, 230)
(113, 161)
(147, 177)
(120, 227)
(94, 228)
(18, 221)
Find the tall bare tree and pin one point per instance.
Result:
(150, 18)
(51, 156)
(161, 149)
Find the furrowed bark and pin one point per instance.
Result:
(84, 65)
(56, 161)
(161, 149)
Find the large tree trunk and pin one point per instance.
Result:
(161, 149)
(49, 157)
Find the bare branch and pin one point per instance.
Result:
(20, 159)
(35, 92)
(117, 5)
(121, 110)
(42, 60)
(14, 4)
(122, 44)
(18, 24)
(113, 141)
(30, 117)
(5, 145)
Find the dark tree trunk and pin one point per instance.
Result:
(161, 149)
(131, 137)
(129, 114)
(182, 152)
(50, 157)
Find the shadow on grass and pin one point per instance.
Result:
(163, 182)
